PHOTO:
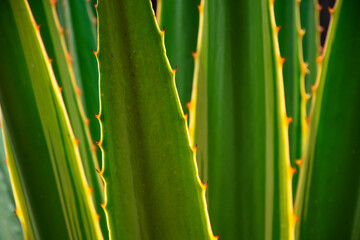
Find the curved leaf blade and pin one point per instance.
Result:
(152, 188)
(43, 144)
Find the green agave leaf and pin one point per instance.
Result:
(180, 18)
(82, 34)
(152, 187)
(296, 71)
(289, 44)
(10, 227)
(328, 197)
(238, 120)
(21, 209)
(47, 159)
(45, 15)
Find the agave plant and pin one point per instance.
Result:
(96, 142)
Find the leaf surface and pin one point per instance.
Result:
(152, 187)
(239, 123)
(328, 197)
(44, 147)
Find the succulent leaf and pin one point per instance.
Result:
(10, 227)
(46, 156)
(328, 196)
(238, 121)
(45, 15)
(151, 184)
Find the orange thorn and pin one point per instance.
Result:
(308, 120)
(16, 212)
(194, 148)
(204, 186)
(91, 190)
(282, 60)
(95, 52)
(186, 116)
(6, 161)
(318, 7)
(194, 54)
(97, 143)
(304, 68)
(331, 10)
(301, 32)
(201, 7)
(60, 89)
(53, 2)
(216, 237)
(296, 219)
(69, 58)
(94, 147)
(95, 5)
(77, 141)
(163, 30)
(299, 162)
(61, 30)
(188, 105)
(50, 60)
(293, 171)
(314, 88)
(78, 91)
(87, 121)
(102, 204)
(98, 216)
(97, 116)
(320, 28)
(98, 171)
(37, 26)
(289, 120)
(277, 29)
(174, 70)
(319, 59)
